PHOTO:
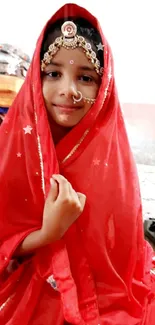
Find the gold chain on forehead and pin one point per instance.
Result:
(70, 40)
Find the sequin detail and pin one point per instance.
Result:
(40, 153)
(52, 282)
(6, 302)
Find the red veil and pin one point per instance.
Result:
(102, 265)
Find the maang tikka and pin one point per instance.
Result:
(70, 40)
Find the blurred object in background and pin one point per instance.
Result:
(139, 119)
(149, 230)
(14, 65)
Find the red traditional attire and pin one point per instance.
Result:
(102, 266)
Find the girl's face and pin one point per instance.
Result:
(69, 72)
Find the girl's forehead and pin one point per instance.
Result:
(71, 56)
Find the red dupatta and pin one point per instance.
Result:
(101, 265)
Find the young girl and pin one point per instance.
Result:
(72, 246)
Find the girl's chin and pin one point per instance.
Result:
(66, 124)
(67, 121)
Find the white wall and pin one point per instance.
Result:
(129, 26)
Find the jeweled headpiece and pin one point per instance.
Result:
(70, 40)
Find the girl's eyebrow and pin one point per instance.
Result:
(56, 64)
(86, 68)
(81, 67)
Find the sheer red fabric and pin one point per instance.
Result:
(102, 265)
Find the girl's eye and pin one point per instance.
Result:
(53, 74)
(86, 78)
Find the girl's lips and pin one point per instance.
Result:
(67, 108)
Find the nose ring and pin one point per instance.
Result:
(77, 99)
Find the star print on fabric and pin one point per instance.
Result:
(96, 162)
(28, 129)
(19, 154)
(100, 47)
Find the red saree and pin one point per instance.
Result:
(102, 265)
